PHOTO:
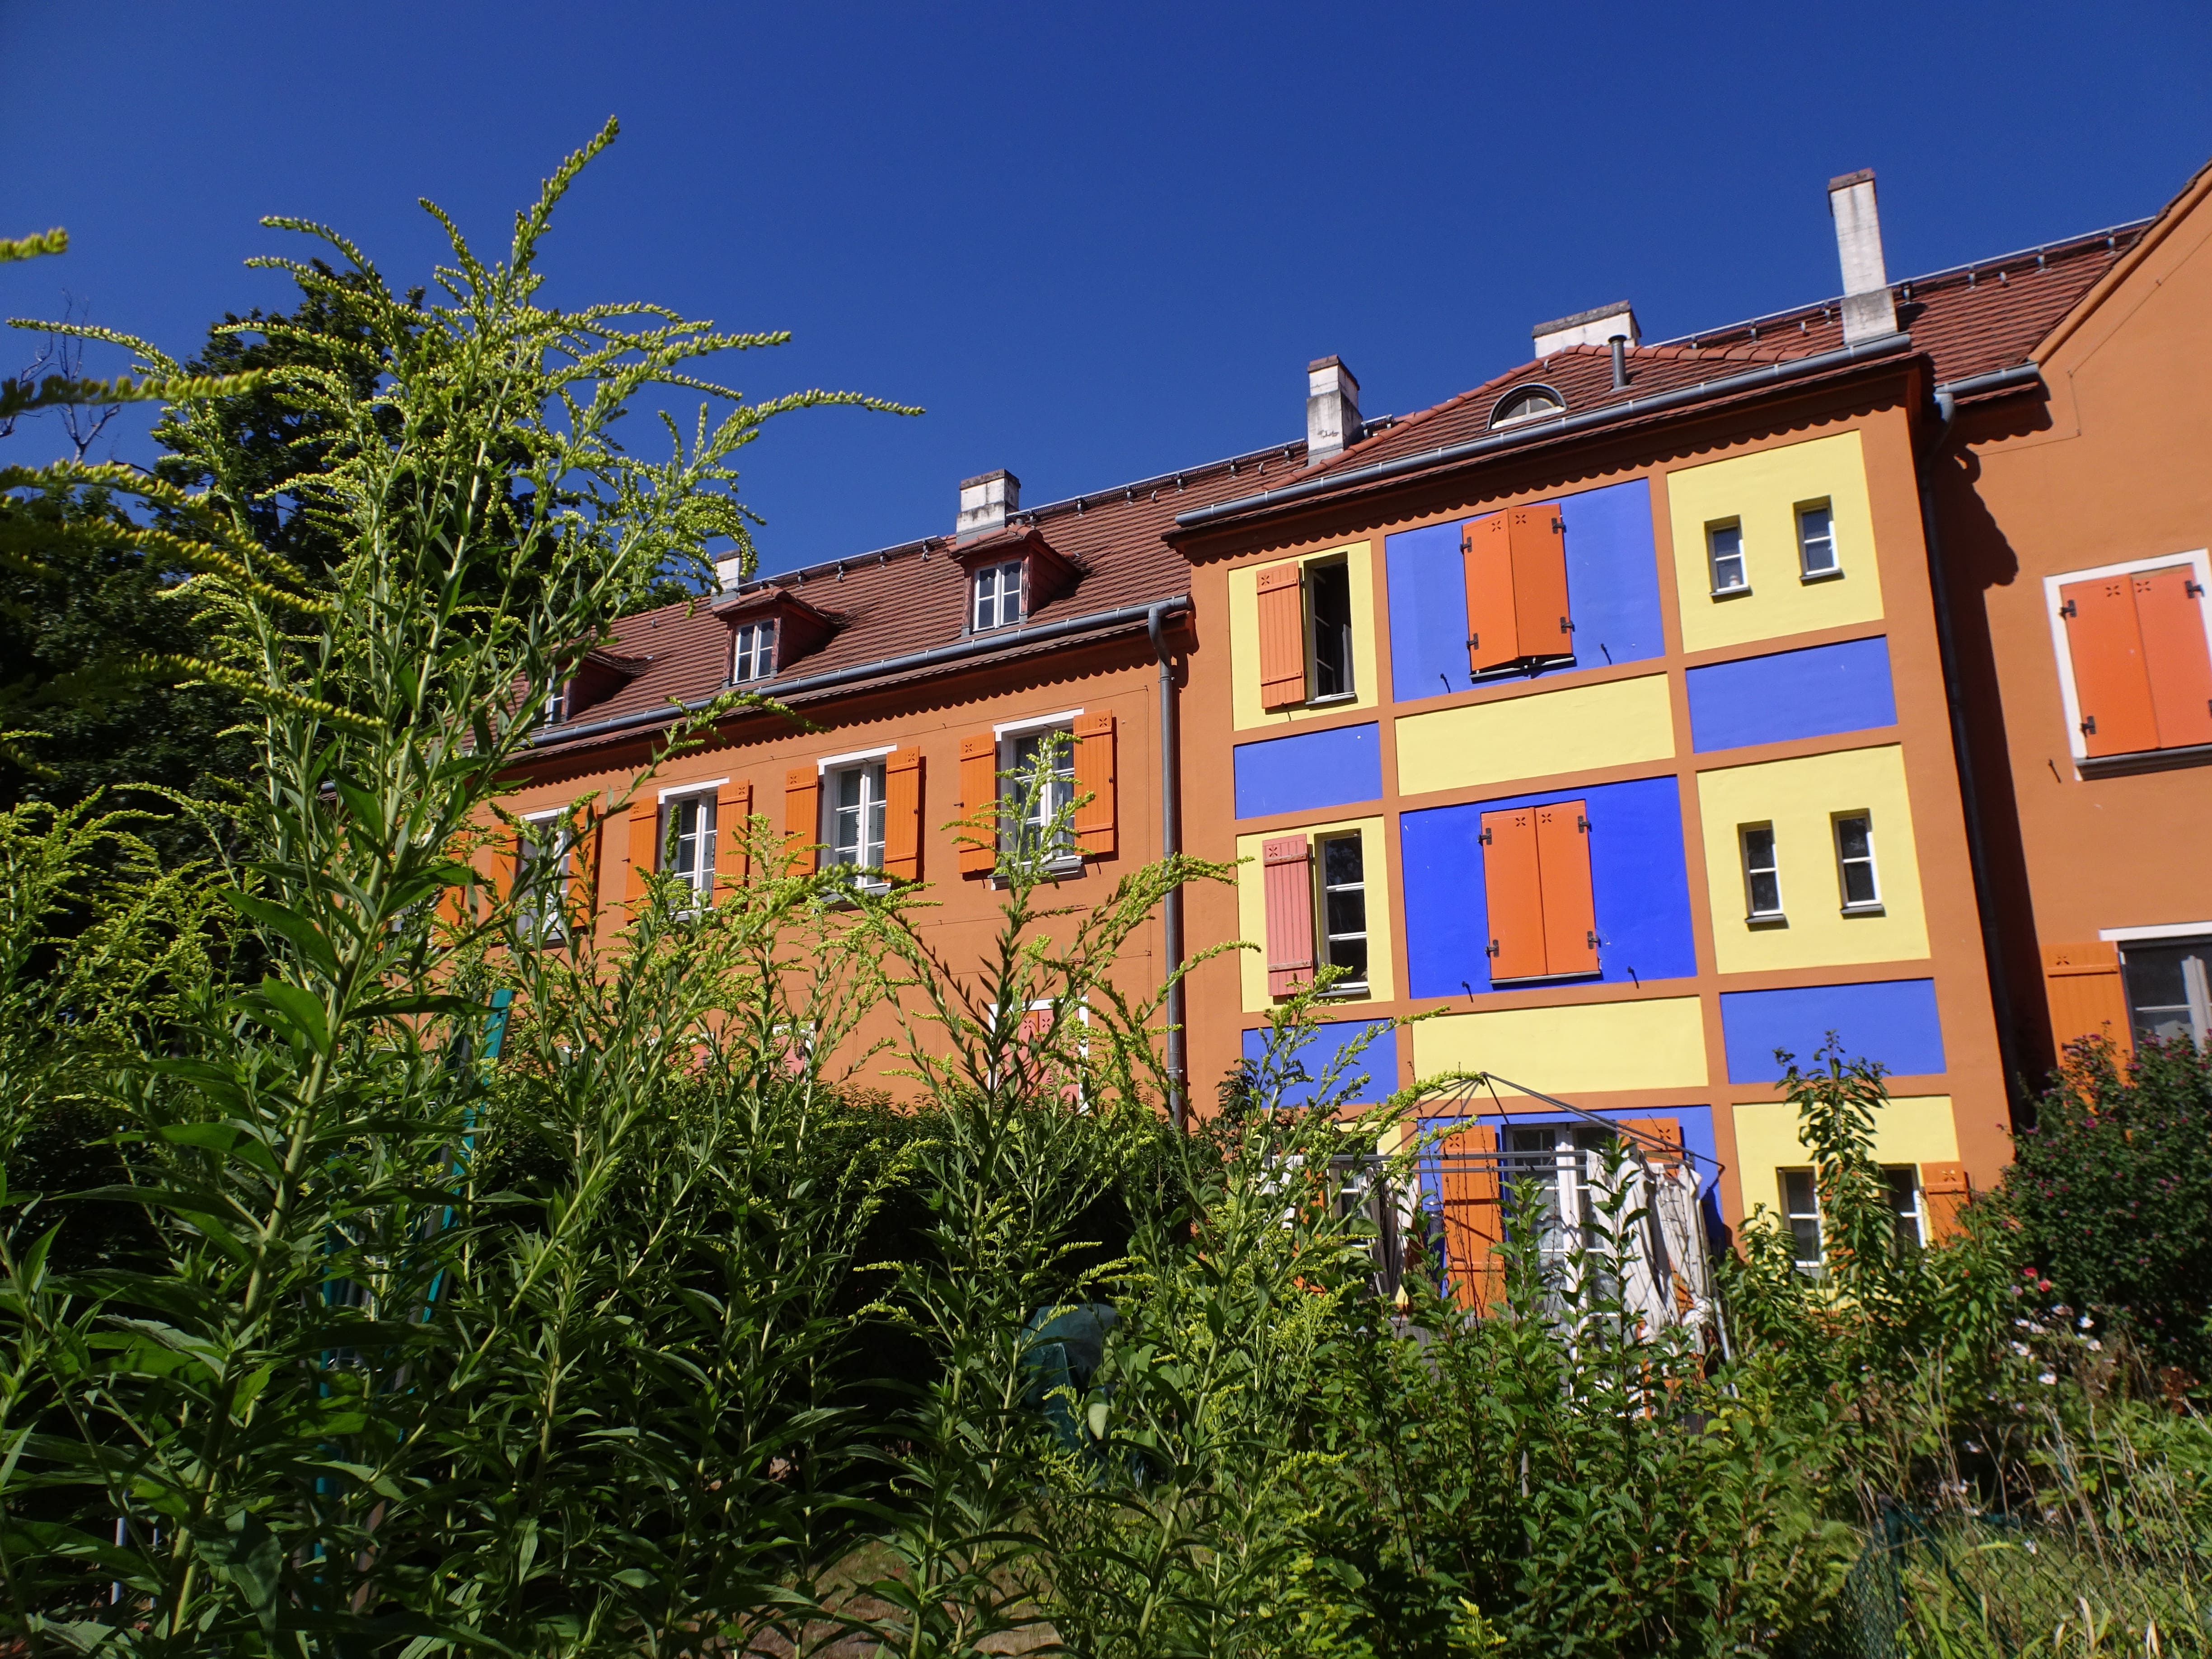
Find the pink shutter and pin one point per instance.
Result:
(1286, 875)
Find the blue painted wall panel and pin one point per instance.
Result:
(1894, 1021)
(1371, 1076)
(1613, 590)
(1638, 879)
(1313, 769)
(1812, 693)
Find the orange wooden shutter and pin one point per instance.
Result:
(644, 842)
(1286, 876)
(979, 803)
(802, 818)
(734, 832)
(1946, 1187)
(584, 874)
(1094, 776)
(2170, 614)
(2086, 995)
(1515, 894)
(902, 814)
(2110, 683)
(1540, 582)
(506, 864)
(1282, 636)
(1564, 868)
(1665, 1129)
(1474, 1218)
(1493, 635)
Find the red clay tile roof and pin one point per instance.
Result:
(910, 599)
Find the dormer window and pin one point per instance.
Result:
(998, 595)
(1527, 403)
(753, 655)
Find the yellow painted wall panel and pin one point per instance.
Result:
(1911, 1129)
(1572, 730)
(1244, 709)
(1657, 1043)
(1252, 914)
(1762, 492)
(1800, 798)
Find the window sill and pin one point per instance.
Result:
(1498, 984)
(2142, 760)
(1059, 870)
(1331, 700)
(1809, 576)
(1768, 918)
(1743, 593)
(1347, 992)
(1873, 909)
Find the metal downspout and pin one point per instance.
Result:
(1969, 790)
(1171, 909)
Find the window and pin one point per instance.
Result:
(1816, 542)
(1854, 872)
(2169, 985)
(1039, 791)
(1902, 1183)
(1515, 567)
(541, 883)
(691, 844)
(2135, 656)
(998, 595)
(1536, 885)
(1329, 600)
(1724, 548)
(1344, 911)
(854, 797)
(1762, 876)
(1527, 403)
(556, 701)
(1800, 1209)
(754, 656)
(1563, 1165)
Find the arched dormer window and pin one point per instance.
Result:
(1527, 403)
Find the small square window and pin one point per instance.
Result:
(1344, 911)
(998, 589)
(1816, 542)
(1329, 609)
(1762, 874)
(1801, 1210)
(754, 658)
(1724, 548)
(1855, 870)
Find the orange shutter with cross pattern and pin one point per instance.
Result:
(1946, 1187)
(802, 818)
(902, 814)
(1286, 882)
(2170, 614)
(979, 804)
(1513, 893)
(1281, 590)
(1473, 1216)
(2086, 995)
(734, 822)
(1094, 776)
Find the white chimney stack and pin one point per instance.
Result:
(1868, 311)
(1332, 408)
(1595, 327)
(985, 502)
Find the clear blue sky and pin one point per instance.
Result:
(1094, 242)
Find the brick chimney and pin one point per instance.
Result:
(1332, 408)
(985, 502)
(1868, 311)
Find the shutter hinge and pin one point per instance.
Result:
(1581, 824)
(1592, 937)
(1485, 838)
(2195, 590)
(1474, 641)
(1493, 947)
(2067, 609)
(2089, 726)
(1566, 626)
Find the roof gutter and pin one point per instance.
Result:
(1997, 380)
(1767, 374)
(1128, 616)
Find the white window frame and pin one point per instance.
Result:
(764, 632)
(1315, 697)
(2198, 559)
(2197, 995)
(1318, 847)
(564, 851)
(871, 764)
(1010, 736)
(1020, 568)
(1872, 906)
(1751, 914)
(1818, 1265)
(1835, 565)
(700, 879)
(1912, 1172)
(1043, 1005)
(1714, 528)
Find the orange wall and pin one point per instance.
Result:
(2116, 466)
(935, 716)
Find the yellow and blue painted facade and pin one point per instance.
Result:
(1683, 717)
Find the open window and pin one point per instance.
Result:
(2135, 654)
(1305, 634)
(1314, 891)
(1536, 884)
(1516, 567)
